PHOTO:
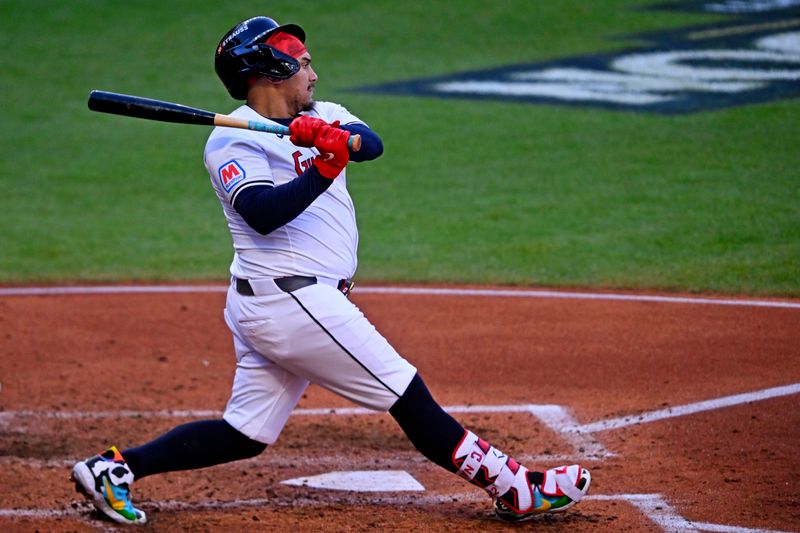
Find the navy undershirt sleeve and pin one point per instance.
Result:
(371, 143)
(266, 208)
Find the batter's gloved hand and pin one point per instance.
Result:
(304, 130)
(333, 153)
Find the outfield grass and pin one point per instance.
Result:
(467, 191)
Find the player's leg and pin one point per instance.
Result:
(285, 340)
(329, 341)
(262, 398)
(518, 494)
(317, 333)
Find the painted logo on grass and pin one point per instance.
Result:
(753, 58)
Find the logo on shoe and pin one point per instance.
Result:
(111, 495)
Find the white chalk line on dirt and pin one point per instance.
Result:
(423, 291)
(656, 508)
(653, 506)
(323, 411)
(688, 409)
(556, 417)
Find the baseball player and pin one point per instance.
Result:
(294, 235)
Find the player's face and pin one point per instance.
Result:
(300, 87)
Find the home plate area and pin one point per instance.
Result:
(685, 410)
(360, 481)
(585, 448)
(388, 483)
(652, 506)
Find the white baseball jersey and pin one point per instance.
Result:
(322, 241)
(284, 341)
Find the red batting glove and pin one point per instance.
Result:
(304, 130)
(333, 153)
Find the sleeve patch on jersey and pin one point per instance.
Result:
(230, 174)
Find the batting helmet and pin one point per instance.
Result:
(242, 54)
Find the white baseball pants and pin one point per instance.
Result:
(315, 334)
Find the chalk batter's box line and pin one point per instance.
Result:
(556, 417)
(545, 411)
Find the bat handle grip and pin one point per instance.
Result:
(353, 142)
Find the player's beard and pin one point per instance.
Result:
(309, 105)
(303, 103)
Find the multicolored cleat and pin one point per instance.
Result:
(518, 493)
(553, 491)
(106, 480)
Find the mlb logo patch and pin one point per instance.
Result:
(230, 174)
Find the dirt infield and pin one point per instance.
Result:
(687, 412)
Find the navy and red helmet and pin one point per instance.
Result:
(243, 53)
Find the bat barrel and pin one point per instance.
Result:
(147, 108)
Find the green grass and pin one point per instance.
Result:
(466, 191)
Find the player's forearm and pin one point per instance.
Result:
(267, 208)
(371, 143)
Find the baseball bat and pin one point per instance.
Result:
(147, 108)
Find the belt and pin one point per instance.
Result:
(291, 284)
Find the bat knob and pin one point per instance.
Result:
(354, 142)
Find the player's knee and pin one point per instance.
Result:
(244, 446)
(253, 448)
(415, 398)
(429, 428)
